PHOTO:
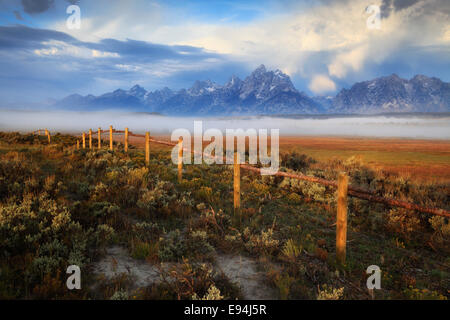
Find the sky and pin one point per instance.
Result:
(323, 46)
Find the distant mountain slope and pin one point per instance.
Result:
(393, 94)
(262, 92)
(272, 92)
(118, 99)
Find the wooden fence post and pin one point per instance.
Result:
(237, 182)
(147, 148)
(126, 140)
(341, 218)
(180, 159)
(84, 140)
(47, 133)
(78, 144)
(99, 138)
(111, 138)
(90, 139)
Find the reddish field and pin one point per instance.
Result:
(424, 160)
(421, 160)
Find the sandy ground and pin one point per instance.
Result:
(240, 270)
(117, 261)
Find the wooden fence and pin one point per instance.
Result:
(344, 190)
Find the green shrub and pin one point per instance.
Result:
(296, 161)
(172, 247)
(422, 294)
(263, 243)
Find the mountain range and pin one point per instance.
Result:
(272, 92)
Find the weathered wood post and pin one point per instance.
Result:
(126, 140)
(111, 138)
(237, 182)
(147, 148)
(99, 138)
(47, 133)
(84, 140)
(341, 218)
(90, 139)
(180, 159)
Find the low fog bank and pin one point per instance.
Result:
(380, 126)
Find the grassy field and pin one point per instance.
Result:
(137, 233)
(422, 160)
(425, 161)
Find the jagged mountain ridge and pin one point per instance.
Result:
(394, 94)
(272, 92)
(262, 92)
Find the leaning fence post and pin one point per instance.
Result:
(90, 139)
(341, 218)
(110, 138)
(180, 159)
(237, 182)
(84, 140)
(147, 148)
(126, 140)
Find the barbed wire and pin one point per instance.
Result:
(352, 191)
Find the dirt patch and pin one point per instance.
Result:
(117, 261)
(239, 269)
(242, 270)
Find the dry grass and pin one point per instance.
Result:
(92, 200)
(424, 161)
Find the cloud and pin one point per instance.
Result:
(389, 6)
(427, 7)
(349, 60)
(337, 32)
(36, 6)
(22, 37)
(322, 84)
(37, 63)
(17, 15)
(166, 44)
(19, 36)
(403, 4)
(291, 40)
(60, 48)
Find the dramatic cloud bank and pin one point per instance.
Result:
(323, 45)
